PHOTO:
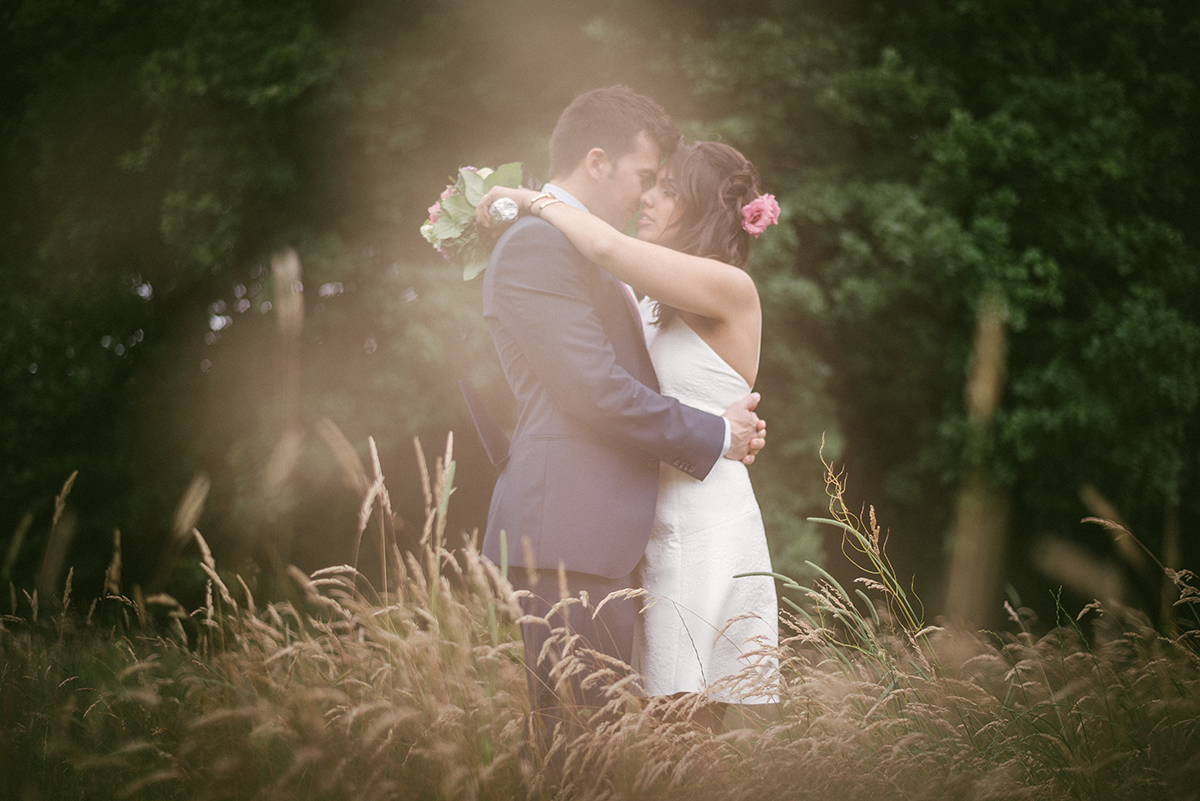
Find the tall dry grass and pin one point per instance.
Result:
(348, 691)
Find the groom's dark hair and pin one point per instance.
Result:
(609, 119)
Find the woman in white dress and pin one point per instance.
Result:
(702, 630)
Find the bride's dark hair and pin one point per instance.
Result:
(712, 182)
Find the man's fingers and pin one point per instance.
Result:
(482, 215)
(748, 403)
(483, 212)
(749, 425)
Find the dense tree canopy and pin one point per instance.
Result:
(155, 156)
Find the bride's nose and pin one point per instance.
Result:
(646, 197)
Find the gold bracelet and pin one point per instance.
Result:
(542, 208)
(535, 198)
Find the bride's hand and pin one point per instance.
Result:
(483, 213)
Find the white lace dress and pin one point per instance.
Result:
(701, 629)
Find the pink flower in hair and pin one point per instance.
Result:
(759, 213)
(435, 211)
(448, 191)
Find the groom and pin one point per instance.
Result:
(578, 491)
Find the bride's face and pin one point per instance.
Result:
(661, 211)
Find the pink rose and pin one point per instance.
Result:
(435, 211)
(448, 191)
(759, 213)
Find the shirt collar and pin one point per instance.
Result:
(564, 196)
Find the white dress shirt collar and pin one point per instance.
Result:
(564, 196)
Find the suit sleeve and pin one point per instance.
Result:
(543, 294)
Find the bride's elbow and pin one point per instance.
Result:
(606, 248)
(742, 290)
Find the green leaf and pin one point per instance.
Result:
(472, 186)
(474, 268)
(461, 209)
(448, 227)
(505, 175)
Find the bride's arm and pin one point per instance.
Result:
(691, 283)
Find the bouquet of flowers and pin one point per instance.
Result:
(451, 227)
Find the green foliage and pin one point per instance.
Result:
(933, 155)
(155, 156)
(138, 244)
(151, 145)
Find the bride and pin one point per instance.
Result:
(702, 630)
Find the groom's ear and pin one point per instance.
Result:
(596, 163)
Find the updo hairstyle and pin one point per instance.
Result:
(712, 181)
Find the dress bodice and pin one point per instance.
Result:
(687, 366)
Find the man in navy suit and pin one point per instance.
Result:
(577, 494)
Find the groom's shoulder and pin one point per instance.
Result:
(530, 242)
(530, 232)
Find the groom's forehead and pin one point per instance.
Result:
(646, 155)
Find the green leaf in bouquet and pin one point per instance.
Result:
(461, 209)
(474, 267)
(472, 186)
(448, 227)
(505, 175)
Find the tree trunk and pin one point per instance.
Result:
(980, 534)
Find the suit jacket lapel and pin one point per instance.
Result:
(635, 314)
(645, 372)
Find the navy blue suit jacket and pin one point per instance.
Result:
(581, 481)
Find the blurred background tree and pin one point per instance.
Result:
(156, 156)
(934, 156)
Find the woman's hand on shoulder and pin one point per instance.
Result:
(483, 214)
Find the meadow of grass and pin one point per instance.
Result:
(415, 690)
